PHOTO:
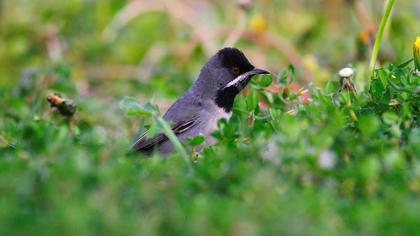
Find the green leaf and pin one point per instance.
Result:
(368, 124)
(292, 72)
(133, 108)
(282, 78)
(370, 167)
(383, 76)
(275, 114)
(332, 86)
(404, 64)
(286, 76)
(252, 100)
(390, 118)
(197, 140)
(265, 80)
(377, 88)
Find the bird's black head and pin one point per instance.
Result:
(233, 60)
(226, 74)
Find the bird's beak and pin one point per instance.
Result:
(242, 80)
(258, 71)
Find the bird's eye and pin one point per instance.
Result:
(235, 70)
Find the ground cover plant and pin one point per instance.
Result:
(304, 152)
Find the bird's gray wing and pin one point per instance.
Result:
(146, 145)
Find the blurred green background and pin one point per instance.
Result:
(55, 179)
(135, 47)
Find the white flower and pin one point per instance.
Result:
(327, 159)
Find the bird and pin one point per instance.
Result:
(208, 100)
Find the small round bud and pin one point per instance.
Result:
(258, 23)
(346, 79)
(346, 72)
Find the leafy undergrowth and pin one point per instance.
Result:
(334, 163)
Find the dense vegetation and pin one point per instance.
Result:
(298, 157)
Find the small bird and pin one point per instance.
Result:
(207, 101)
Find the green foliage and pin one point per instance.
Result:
(197, 140)
(320, 170)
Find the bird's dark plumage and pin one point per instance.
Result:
(146, 145)
(233, 57)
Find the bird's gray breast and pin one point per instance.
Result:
(209, 118)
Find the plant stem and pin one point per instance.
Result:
(378, 39)
(174, 140)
